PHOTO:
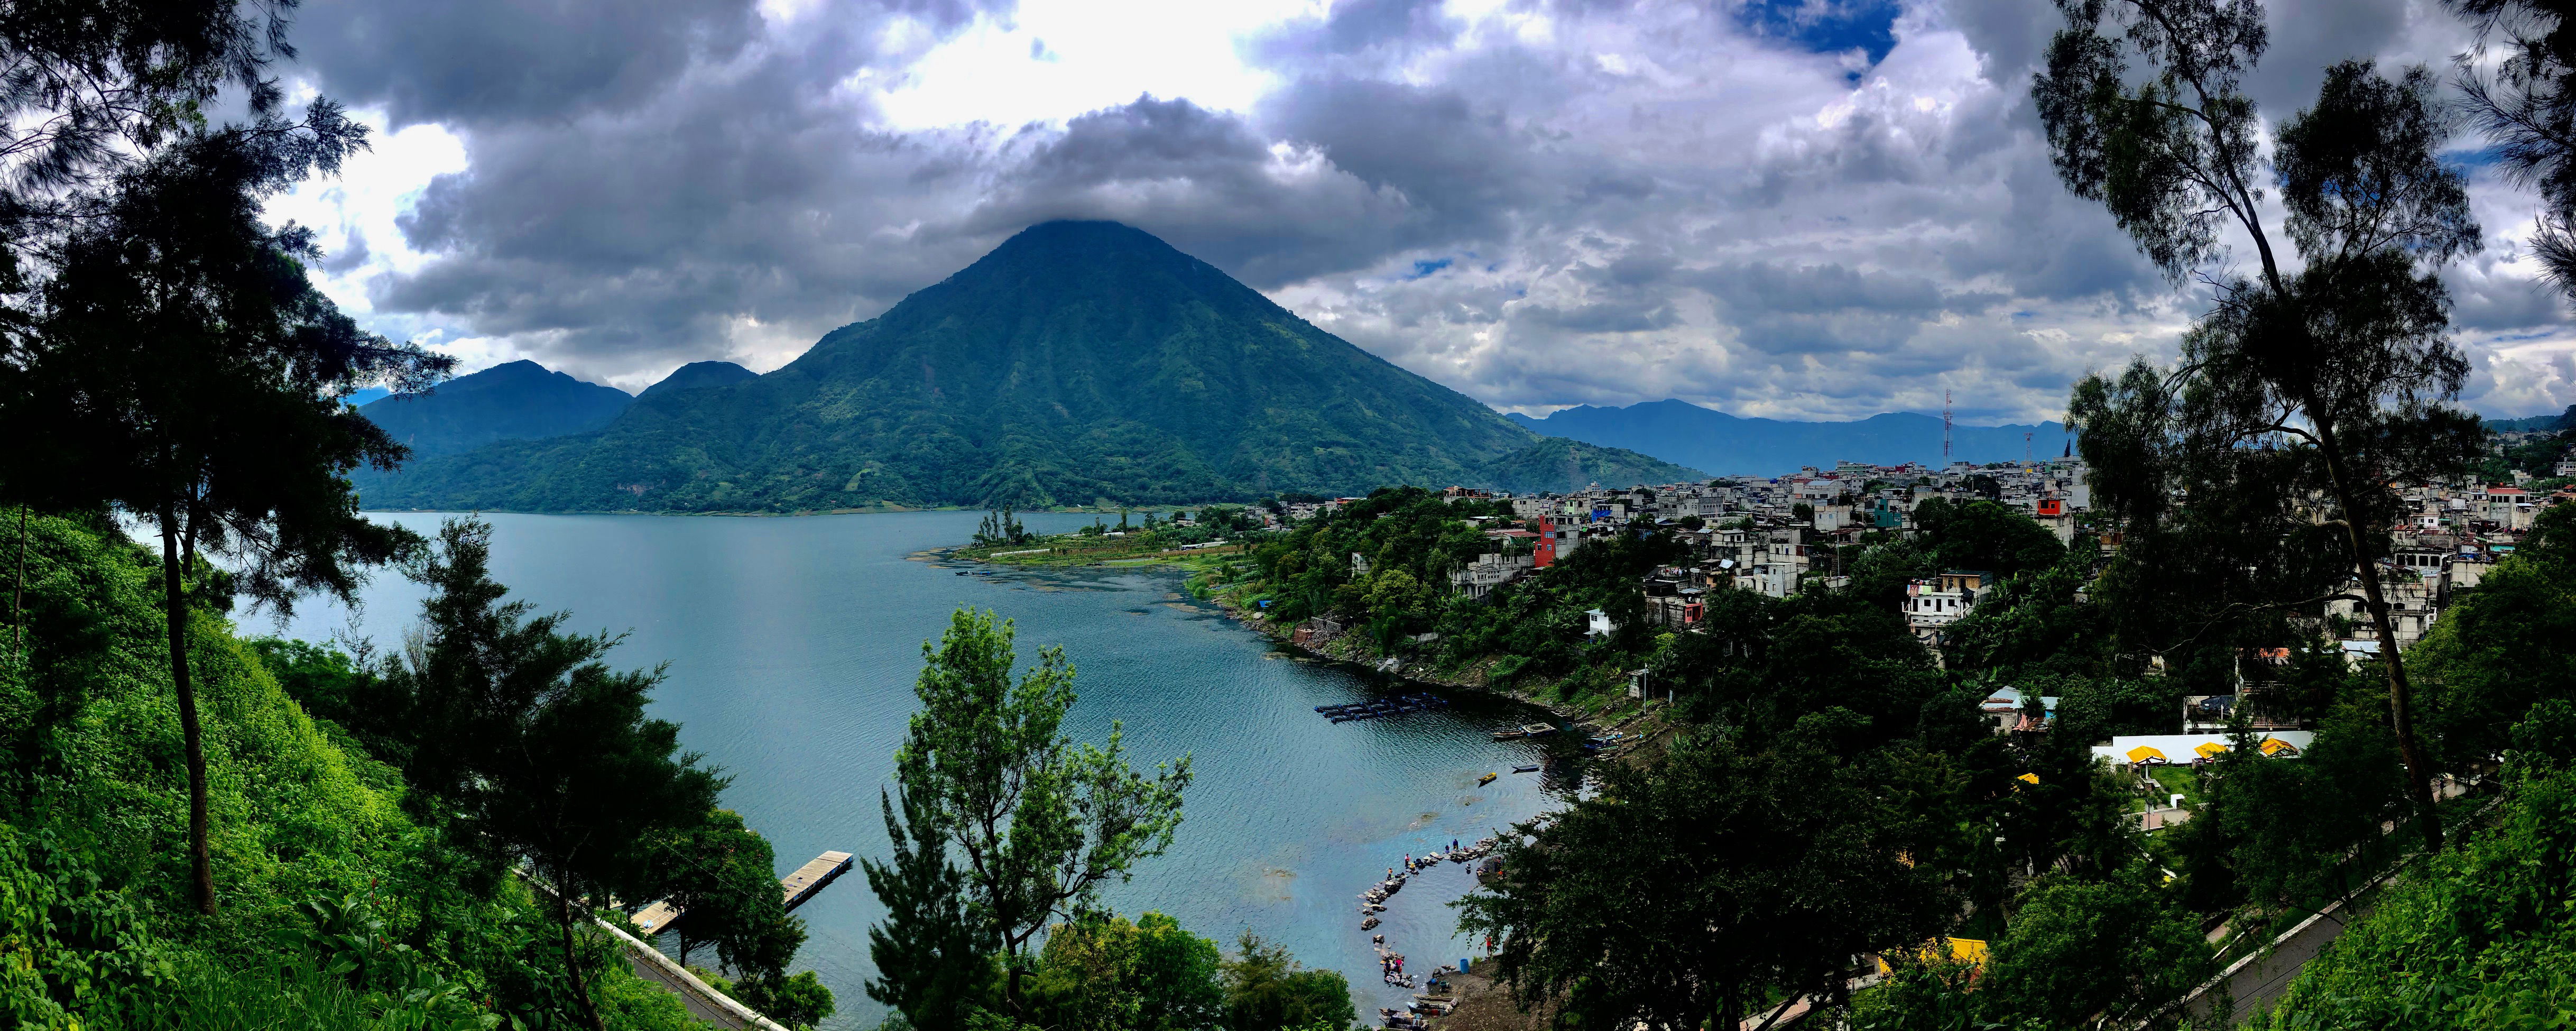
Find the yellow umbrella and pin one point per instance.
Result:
(2274, 746)
(2146, 754)
(2209, 748)
(2030, 777)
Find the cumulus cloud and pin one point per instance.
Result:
(1802, 208)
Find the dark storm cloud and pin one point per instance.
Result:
(1636, 199)
(647, 180)
(484, 61)
(1208, 183)
(1830, 309)
(1441, 150)
(2481, 303)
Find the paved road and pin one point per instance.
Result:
(2259, 980)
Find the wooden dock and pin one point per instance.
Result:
(796, 887)
(812, 876)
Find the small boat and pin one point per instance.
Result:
(1536, 730)
(1486, 779)
(1524, 769)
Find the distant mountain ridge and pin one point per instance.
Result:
(2549, 423)
(1727, 445)
(1076, 363)
(519, 400)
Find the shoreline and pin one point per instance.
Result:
(764, 514)
(1408, 672)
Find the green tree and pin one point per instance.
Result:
(1038, 823)
(183, 369)
(349, 691)
(2504, 645)
(103, 85)
(1001, 527)
(2479, 937)
(799, 1001)
(1102, 973)
(539, 754)
(1266, 989)
(933, 955)
(2085, 953)
(2348, 358)
(2297, 834)
(1985, 536)
(1698, 885)
(721, 876)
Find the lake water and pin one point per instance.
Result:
(793, 643)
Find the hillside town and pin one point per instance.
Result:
(1778, 536)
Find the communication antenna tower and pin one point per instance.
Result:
(1945, 427)
(2025, 449)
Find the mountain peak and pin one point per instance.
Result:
(1089, 252)
(519, 400)
(699, 374)
(1076, 363)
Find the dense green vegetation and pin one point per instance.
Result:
(1079, 362)
(2483, 937)
(339, 883)
(2246, 486)
(2537, 457)
(1533, 633)
(1005, 830)
(182, 845)
(1823, 756)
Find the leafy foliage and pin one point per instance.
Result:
(2505, 645)
(2346, 363)
(336, 906)
(2482, 939)
(1705, 882)
(538, 752)
(1037, 823)
(1267, 990)
(2085, 952)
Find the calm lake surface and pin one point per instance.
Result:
(793, 643)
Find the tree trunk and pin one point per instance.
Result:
(572, 959)
(175, 614)
(1011, 985)
(2401, 704)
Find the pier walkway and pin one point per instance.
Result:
(797, 887)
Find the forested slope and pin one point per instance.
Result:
(317, 862)
(1079, 361)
